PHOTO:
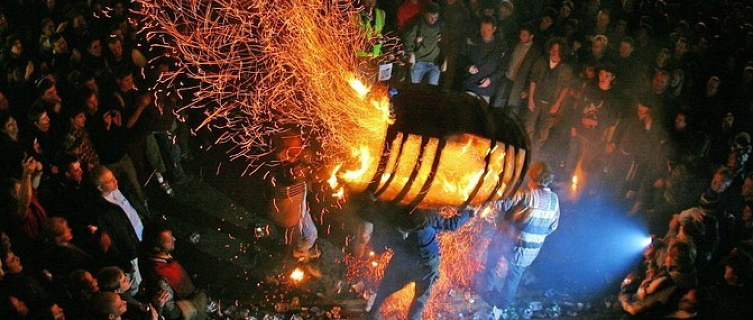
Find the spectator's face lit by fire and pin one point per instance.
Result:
(487, 31)
(3, 102)
(606, 77)
(125, 283)
(748, 214)
(681, 46)
(10, 128)
(74, 172)
(546, 22)
(60, 45)
(681, 122)
(49, 28)
(643, 111)
(92, 104)
(91, 84)
(504, 12)
(79, 121)
(90, 282)
(51, 94)
(525, 36)
(17, 48)
(56, 312)
(662, 59)
(597, 48)
(660, 82)
(590, 72)
(602, 20)
(116, 49)
(118, 307)
(554, 53)
(67, 234)
(107, 182)
(747, 191)
(729, 275)
(126, 84)
(79, 22)
(43, 122)
(12, 263)
(728, 120)
(719, 183)
(167, 241)
(95, 48)
(626, 49)
(431, 18)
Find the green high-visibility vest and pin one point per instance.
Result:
(371, 31)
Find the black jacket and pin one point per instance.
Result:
(112, 219)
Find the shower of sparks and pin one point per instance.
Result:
(263, 65)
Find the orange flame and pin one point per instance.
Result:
(363, 155)
(574, 183)
(361, 89)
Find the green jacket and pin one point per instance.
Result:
(427, 49)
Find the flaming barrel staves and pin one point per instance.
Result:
(447, 149)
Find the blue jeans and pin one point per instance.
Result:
(172, 153)
(421, 69)
(501, 295)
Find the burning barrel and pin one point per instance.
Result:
(446, 149)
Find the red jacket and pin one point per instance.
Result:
(407, 13)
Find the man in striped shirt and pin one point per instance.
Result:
(527, 219)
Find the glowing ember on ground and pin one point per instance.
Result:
(297, 275)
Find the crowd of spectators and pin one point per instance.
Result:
(81, 108)
(647, 102)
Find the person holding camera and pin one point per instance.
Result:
(22, 215)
